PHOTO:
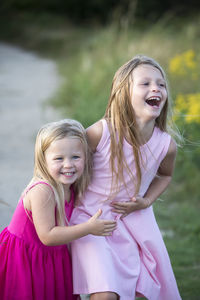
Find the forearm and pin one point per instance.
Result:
(156, 188)
(60, 235)
(164, 175)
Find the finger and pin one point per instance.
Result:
(123, 216)
(110, 228)
(107, 234)
(109, 222)
(97, 214)
(119, 204)
(124, 205)
(134, 199)
(119, 211)
(119, 208)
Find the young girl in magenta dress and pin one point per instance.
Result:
(134, 159)
(35, 262)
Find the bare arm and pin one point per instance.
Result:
(43, 213)
(164, 175)
(156, 188)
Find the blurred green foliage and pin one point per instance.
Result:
(101, 11)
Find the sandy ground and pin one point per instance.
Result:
(26, 82)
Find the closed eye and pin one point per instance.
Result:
(162, 84)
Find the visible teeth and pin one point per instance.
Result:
(153, 101)
(154, 98)
(68, 173)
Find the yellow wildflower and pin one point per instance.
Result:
(188, 106)
(184, 64)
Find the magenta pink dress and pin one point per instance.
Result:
(134, 260)
(29, 270)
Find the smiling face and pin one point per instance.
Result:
(148, 92)
(65, 160)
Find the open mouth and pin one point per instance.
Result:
(154, 101)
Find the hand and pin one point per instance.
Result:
(125, 208)
(99, 226)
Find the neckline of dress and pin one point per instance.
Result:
(148, 142)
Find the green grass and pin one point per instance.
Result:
(87, 58)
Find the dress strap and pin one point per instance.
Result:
(29, 213)
(36, 183)
(105, 135)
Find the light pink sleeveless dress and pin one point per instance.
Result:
(30, 270)
(134, 260)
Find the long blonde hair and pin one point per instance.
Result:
(122, 122)
(46, 135)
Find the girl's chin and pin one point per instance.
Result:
(68, 180)
(151, 117)
(154, 114)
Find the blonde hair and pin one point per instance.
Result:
(122, 122)
(46, 135)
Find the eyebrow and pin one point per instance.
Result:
(148, 78)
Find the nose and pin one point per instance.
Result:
(67, 163)
(155, 87)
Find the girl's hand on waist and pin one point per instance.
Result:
(125, 208)
(99, 226)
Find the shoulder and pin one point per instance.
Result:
(165, 142)
(94, 134)
(40, 194)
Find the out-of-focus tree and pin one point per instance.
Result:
(105, 10)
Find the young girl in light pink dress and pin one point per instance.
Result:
(134, 159)
(35, 262)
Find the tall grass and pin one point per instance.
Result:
(84, 96)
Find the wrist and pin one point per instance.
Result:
(147, 202)
(88, 227)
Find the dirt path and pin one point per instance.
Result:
(26, 82)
